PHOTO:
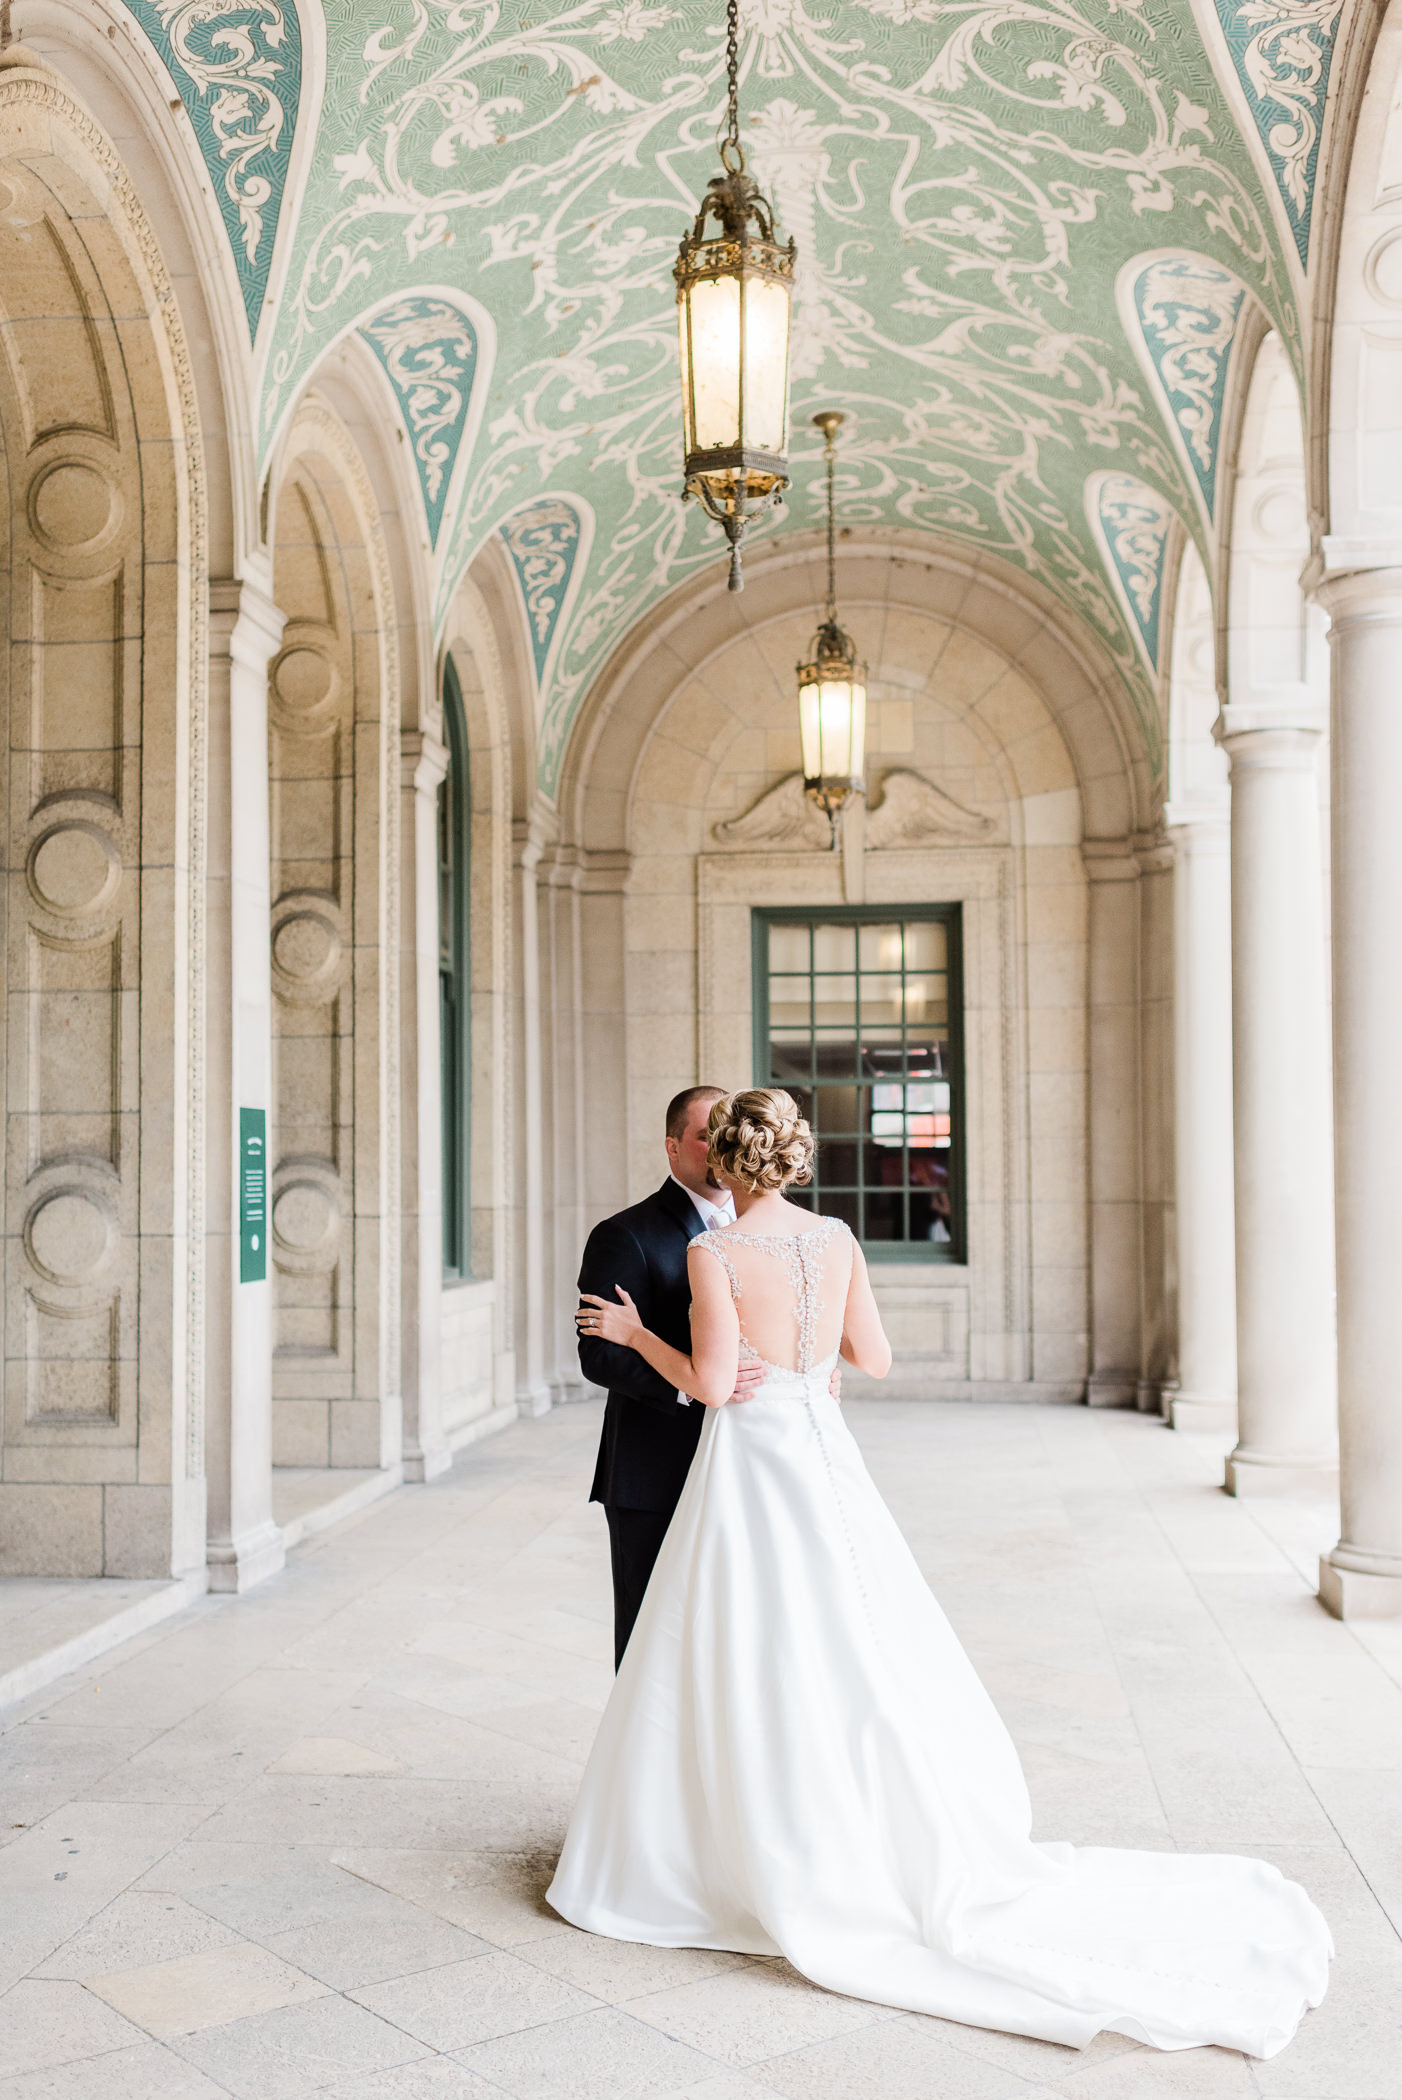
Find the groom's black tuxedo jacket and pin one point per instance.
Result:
(649, 1438)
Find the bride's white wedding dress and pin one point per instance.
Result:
(798, 1758)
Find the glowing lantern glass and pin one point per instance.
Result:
(832, 685)
(734, 286)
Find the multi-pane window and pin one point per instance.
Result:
(857, 1015)
(454, 820)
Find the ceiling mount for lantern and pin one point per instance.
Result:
(832, 685)
(734, 286)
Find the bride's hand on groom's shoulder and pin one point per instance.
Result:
(610, 1322)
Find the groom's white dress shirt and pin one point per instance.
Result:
(712, 1216)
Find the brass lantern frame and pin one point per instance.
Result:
(833, 660)
(733, 237)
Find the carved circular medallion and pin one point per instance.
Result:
(304, 688)
(1280, 515)
(69, 1235)
(74, 869)
(305, 1218)
(73, 506)
(307, 952)
(1382, 271)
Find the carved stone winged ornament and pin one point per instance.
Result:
(912, 811)
(783, 819)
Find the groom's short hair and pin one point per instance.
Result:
(679, 1107)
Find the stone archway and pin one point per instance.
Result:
(102, 969)
(333, 758)
(1003, 780)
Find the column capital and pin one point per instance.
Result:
(605, 871)
(1110, 860)
(1362, 597)
(1198, 824)
(1341, 556)
(1279, 730)
(245, 624)
(423, 760)
(533, 832)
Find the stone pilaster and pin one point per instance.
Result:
(1281, 1103)
(424, 764)
(1204, 1199)
(1114, 1102)
(245, 631)
(1362, 1577)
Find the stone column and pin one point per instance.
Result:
(426, 1452)
(566, 1114)
(245, 630)
(1155, 859)
(1205, 1394)
(1114, 1122)
(1362, 1577)
(1281, 1105)
(532, 1390)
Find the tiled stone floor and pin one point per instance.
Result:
(295, 1843)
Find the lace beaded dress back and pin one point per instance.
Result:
(790, 1290)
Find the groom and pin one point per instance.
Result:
(650, 1430)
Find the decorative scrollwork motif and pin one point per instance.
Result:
(1133, 523)
(543, 541)
(1188, 310)
(238, 66)
(1282, 51)
(429, 349)
(965, 180)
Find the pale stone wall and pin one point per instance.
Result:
(973, 694)
(100, 524)
(467, 1355)
(947, 706)
(334, 790)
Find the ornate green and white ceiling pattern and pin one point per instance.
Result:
(1028, 231)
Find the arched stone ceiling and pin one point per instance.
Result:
(1028, 231)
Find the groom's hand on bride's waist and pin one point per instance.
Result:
(749, 1377)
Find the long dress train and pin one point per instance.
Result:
(799, 1759)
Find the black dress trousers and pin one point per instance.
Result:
(649, 1438)
(635, 1540)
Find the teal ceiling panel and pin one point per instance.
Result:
(237, 65)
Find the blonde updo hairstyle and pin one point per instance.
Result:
(759, 1139)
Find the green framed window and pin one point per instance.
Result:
(454, 986)
(858, 1014)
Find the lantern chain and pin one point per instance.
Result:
(830, 449)
(732, 72)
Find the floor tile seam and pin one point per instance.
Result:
(1093, 1596)
(1242, 1667)
(644, 2027)
(324, 1992)
(94, 2056)
(16, 1712)
(1324, 1809)
(907, 2018)
(401, 1897)
(505, 1735)
(550, 1647)
(455, 2049)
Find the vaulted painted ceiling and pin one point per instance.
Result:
(1028, 233)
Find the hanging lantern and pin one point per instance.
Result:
(832, 686)
(734, 284)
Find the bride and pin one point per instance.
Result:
(798, 1758)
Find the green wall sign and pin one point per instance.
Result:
(253, 1195)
